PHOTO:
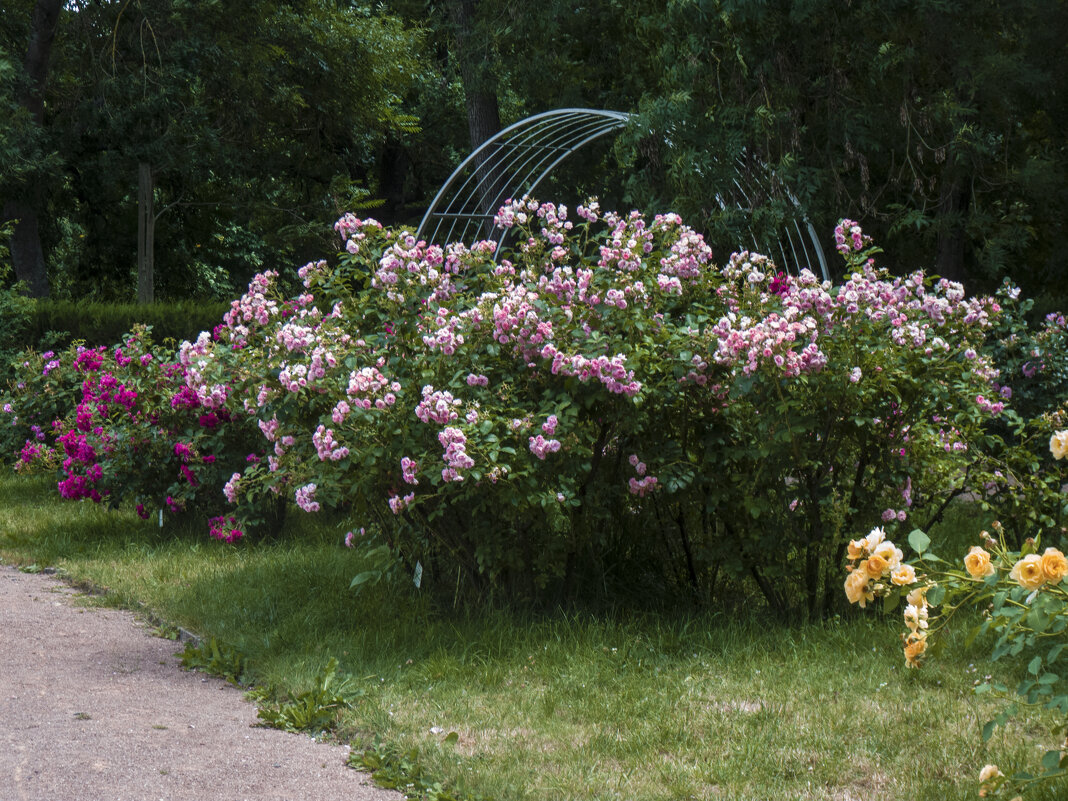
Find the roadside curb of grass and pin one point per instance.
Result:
(388, 765)
(141, 610)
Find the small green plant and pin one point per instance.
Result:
(317, 708)
(397, 769)
(218, 659)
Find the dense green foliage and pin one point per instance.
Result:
(258, 119)
(107, 323)
(15, 310)
(939, 124)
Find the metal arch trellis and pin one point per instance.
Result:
(509, 165)
(513, 162)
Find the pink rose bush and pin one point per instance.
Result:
(132, 430)
(606, 406)
(479, 416)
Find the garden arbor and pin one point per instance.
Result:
(515, 161)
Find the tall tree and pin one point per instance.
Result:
(939, 123)
(24, 205)
(258, 121)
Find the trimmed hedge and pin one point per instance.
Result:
(107, 323)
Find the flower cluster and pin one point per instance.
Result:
(643, 484)
(438, 406)
(849, 237)
(542, 447)
(224, 529)
(455, 457)
(326, 447)
(1032, 570)
(874, 562)
(305, 498)
(875, 569)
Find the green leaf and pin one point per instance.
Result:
(988, 729)
(1035, 666)
(1051, 760)
(919, 540)
(364, 577)
(936, 595)
(451, 738)
(417, 577)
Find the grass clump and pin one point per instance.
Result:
(471, 704)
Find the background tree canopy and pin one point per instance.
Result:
(939, 124)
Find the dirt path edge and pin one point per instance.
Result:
(94, 706)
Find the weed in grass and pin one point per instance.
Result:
(404, 771)
(218, 659)
(316, 709)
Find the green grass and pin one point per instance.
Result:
(576, 707)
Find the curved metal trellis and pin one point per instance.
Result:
(513, 162)
(509, 165)
(795, 246)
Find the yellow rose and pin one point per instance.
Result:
(856, 588)
(903, 575)
(1054, 565)
(856, 550)
(978, 563)
(989, 772)
(989, 778)
(915, 645)
(1028, 572)
(875, 536)
(875, 565)
(918, 597)
(916, 617)
(890, 552)
(1058, 444)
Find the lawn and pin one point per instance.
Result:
(508, 705)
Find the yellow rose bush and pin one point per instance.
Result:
(1023, 594)
(876, 569)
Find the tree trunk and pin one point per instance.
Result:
(27, 255)
(392, 172)
(146, 232)
(952, 204)
(480, 98)
(42, 33)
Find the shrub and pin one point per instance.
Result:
(1033, 363)
(1023, 597)
(96, 324)
(120, 424)
(604, 405)
(603, 410)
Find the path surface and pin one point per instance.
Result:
(95, 708)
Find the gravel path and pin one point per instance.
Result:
(95, 708)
